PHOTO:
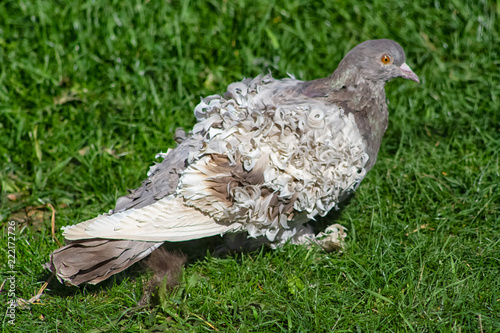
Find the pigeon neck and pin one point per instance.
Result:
(344, 78)
(350, 77)
(366, 100)
(352, 90)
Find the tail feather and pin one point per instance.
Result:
(94, 260)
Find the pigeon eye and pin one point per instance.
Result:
(385, 59)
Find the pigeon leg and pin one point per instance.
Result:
(330, 240)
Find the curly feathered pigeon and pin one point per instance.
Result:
(264, 158)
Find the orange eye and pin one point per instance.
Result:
(385, 59)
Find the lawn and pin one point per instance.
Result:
(91, 90)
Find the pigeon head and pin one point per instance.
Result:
(374, 60)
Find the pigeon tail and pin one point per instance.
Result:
(94, 260)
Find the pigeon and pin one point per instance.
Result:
(263, 159)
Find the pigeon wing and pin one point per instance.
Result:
(168, 219)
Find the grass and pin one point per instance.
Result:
(90, 91)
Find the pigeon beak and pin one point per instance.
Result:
(407, 73)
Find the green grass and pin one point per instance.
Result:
(90, 91)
